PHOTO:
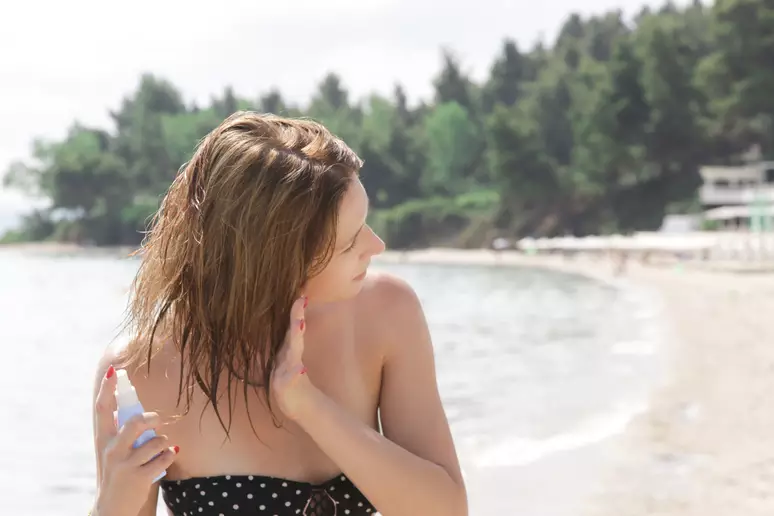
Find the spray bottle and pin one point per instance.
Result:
(128, 406)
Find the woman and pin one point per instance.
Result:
(284, 379)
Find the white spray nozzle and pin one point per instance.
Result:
(125, 393)
(124, 385)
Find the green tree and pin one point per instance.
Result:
(272, 102)
(525, 172)
(453, 145)
(739, 74)
(330, 105)
(507, 79)
(452, 85)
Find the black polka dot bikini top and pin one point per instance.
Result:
(236, 495)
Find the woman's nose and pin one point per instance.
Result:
(377, 244)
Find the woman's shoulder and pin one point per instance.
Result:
(156, 385)
(388, 293)
(390, 306)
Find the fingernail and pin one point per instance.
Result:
(301, 325)
(176, 449)
(306, 301)
(110, 372)
(303, 370)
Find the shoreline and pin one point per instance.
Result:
(704, 445)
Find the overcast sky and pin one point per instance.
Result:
(62, 61)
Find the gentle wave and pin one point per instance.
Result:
(520, 451)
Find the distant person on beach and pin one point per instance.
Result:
(281, 377)
(498, 245)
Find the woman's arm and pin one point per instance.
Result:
(412, 469)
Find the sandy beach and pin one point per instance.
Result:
(705, 444)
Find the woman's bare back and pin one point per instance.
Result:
(343, 355)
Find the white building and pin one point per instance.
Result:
(734, 195)
(737, 186)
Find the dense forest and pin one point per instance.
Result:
(604, 130)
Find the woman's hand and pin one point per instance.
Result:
(126, 473)
(289, 382)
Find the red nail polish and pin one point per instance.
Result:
(176, 448)
(110, 372)
(303, 370)
(301, 325)
(306, 301)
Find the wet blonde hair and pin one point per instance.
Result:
(242, 228)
